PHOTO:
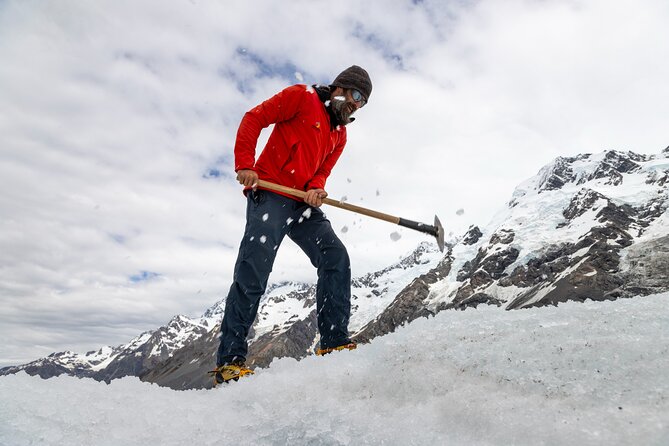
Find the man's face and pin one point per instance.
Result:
(343, 104)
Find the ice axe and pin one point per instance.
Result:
(436, 230)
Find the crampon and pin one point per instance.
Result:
(229, 372)
(325, 351)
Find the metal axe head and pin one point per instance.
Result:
(439, 233)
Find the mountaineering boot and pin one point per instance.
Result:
(325, 351)
(228, 372)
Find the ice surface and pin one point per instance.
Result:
(586, 374)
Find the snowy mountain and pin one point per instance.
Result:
(593, 226)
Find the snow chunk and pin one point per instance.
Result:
(306, 214)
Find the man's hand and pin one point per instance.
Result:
(314, 197)
(247, 177)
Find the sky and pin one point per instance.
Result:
(120, 208)
(586, 374)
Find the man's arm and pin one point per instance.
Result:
(280, 107)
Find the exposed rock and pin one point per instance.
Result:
(658, 177)
(556, 175)
(408, 305)
(503, 236)
(543, 268)
(652, 210)
(496, 263)
(616, 163)
(474, 301)
(485, 268)
(619, 216)
(472, 236)
(645, 267)
(581, 203)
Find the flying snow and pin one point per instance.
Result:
(395, 236)
(306, 214)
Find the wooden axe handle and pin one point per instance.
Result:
(336, 203)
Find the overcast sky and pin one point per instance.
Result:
(119, 207)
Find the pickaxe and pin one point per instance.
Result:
(437, 230)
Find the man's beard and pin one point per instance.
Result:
(342, 110)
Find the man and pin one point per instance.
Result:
(308, 137)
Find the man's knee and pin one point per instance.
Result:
(335, 256)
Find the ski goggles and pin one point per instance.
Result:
(358, 97)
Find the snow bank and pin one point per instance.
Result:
(593, 373)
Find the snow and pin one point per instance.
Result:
(367, 303)
(306, 214)
(277, 312)
(586, 374)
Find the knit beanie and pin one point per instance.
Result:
(355, 77)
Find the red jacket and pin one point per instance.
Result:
(302, 148)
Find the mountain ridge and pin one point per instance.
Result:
(592, 226)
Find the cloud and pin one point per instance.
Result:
(119, 120)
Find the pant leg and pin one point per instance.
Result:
(266, 225)
(315, 236)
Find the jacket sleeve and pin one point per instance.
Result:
(323, 172)
(283, 106)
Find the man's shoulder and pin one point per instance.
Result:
(299, 89)
(306, 95)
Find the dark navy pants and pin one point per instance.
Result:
(270, 217)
